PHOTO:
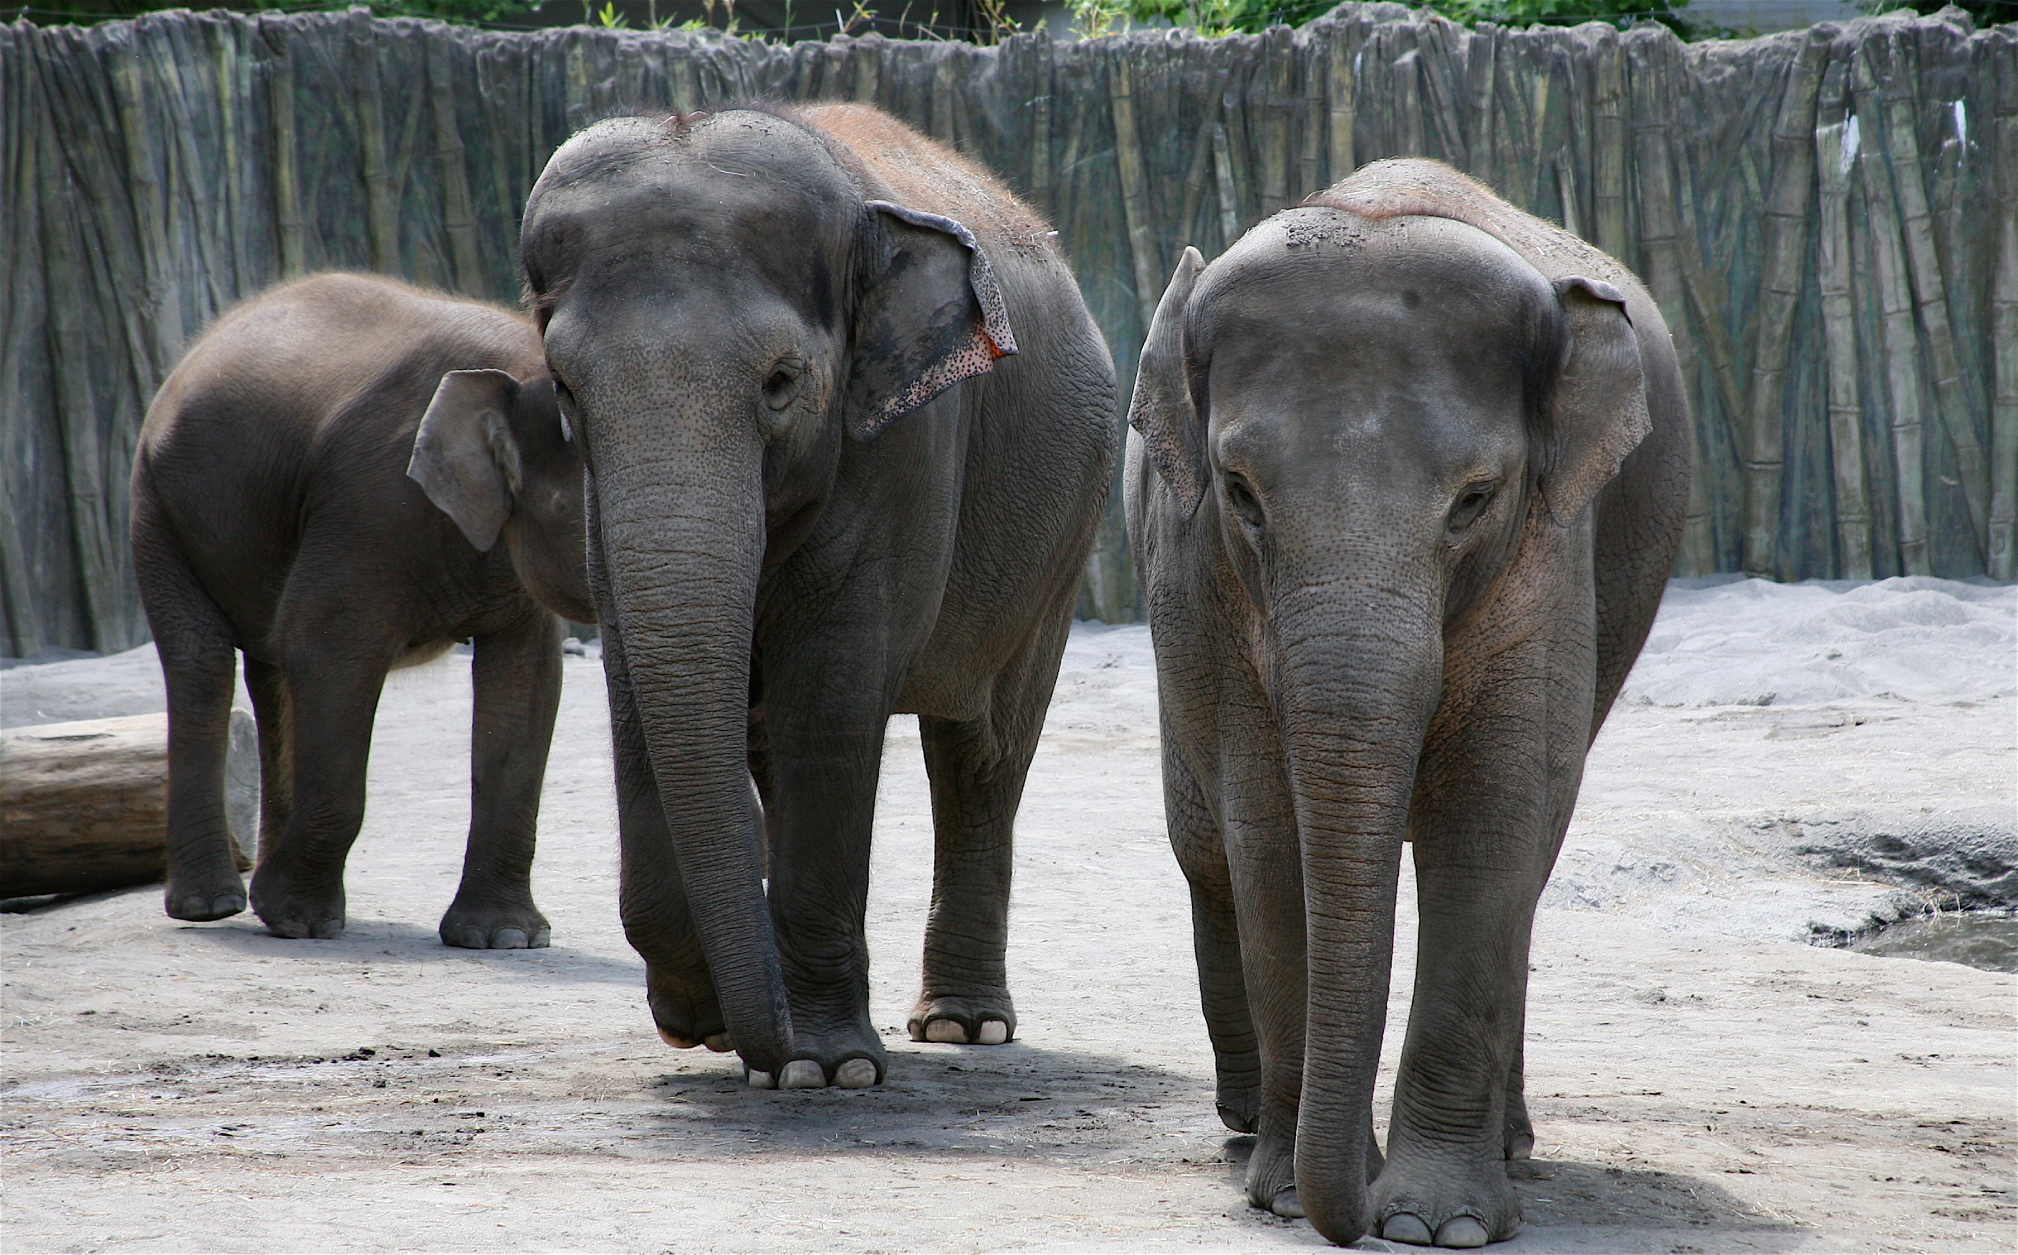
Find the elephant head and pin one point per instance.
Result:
(730, 313)
(494, 454)
(1372, 427)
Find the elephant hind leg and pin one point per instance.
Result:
(977, 770)
(197, 648)
(977, 784)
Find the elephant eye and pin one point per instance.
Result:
(781, 387)
(1470, 504)
(1240, 496)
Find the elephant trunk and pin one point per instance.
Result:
(683, 541)
(1356, 673)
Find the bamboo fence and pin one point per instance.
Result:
(1829, 219)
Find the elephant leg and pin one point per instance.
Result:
(516, 675)
(977, 771)
(297, 889)
(825, 742)
(1519, 1140)
(196, 645)
(1491, 803)
(1265, 873)
(1215, 935)
(270, 708)
(658, 922)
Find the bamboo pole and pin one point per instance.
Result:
(23, 289)
(458, 211)
(1343, 56)
(1930, 295)
(1652, 87)
(1834, 155)
(1273, 121)
(1780, 279)
(1222, 176)
(1194, 185)
(96, 547)
(1309, 117)
(1134, 191)
(1902, 349)
(2002, 549)
(1608, 148)
(1040, 129)
(369, 104)
(1484, 47)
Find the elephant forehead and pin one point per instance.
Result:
(1437, 271)
(742, 184)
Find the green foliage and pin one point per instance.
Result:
(1223, 17)
(85, 12)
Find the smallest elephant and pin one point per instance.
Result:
(322, 484)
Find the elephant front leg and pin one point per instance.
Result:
(1491, 807)
(824, 760)
(516, 675)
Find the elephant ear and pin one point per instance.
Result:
(933, 317)
(464, 455)
(1163, 409)
(1600, 410)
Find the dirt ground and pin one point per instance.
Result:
(1698, 1081)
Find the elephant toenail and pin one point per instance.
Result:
(720, 1043)
(993, 1032)
(1403, 1227)
(329, 930)
(508, 939)
(946, 1031)
(470, 939)
(541, 939)
(802, 1074)
(1286, 1204)
(677, 1043)
(855, 1074)
(1461, 1231)
(760, 1080)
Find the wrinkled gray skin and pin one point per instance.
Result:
(273, 514)
(783, 556)
(1409, 591)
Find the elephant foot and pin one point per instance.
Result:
(856, 1073)
(964, 1021)
(1271, 1176)
(1449, 1205)
(684, 1009)
(494, 926)
(849, 1057)
(296, 913)
(204, 898)
(1519, 1138)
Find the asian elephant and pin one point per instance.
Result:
(1407, 479)
(849, 430)
(345, 475)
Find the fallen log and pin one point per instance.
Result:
(83, 806)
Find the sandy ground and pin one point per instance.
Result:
(1784, 760)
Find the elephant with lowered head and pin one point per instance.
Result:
(1408, 477)
(849, 429)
